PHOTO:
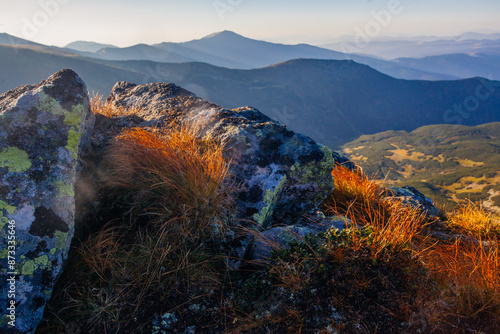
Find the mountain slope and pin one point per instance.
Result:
(447, 162)
(13, 40)
(20, 66)
(331, 101)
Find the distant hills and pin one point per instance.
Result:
(228, 49)
(84, 46)
(418, 47)
(333, 101)
(462, 65)
(460, 58)
(449, 163)
(330, 100)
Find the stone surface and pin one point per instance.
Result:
(282, 174)
(279, 237)
(43, 128)
(411, 196)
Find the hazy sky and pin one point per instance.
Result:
(127, 22)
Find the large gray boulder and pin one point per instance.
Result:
(43, 129)
(282, 174)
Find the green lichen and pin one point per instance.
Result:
(64, 189)
(49, 104)
(328, 162)
(9, 208)
(74, 117)
(15, 159)
(53, 251)
(4, 254)
(61, 239)
(72, 144)
(315, 171)
(28, 268)
(269, 200)
(42, 260)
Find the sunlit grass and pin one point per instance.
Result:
(176, 175)
(99, 106)
(472, 218)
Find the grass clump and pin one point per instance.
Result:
(99, 106)
(174, 174)
(472, 218)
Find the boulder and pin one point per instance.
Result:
(411, 196)
(282, 174)
(43, 129)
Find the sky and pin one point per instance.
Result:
(129, 22)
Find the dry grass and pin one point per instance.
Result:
(354, 185)
(99, 106)
(472, 218)
(468, 273)
(177, 175)
(181, 198)
(391, 223)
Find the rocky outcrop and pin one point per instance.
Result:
(282, 174)
(43, 129)
(411, 196)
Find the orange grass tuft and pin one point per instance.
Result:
(178, 174)
(360, 199)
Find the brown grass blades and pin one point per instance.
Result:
(391, 222)
(469, 272)
(99, 106)
(176, 174)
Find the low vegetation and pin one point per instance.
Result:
(449, 163)
(161, 265)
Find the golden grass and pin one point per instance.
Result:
(472, 218)
(178, 174)
(99, 106)
(354, 185)
(391, 222)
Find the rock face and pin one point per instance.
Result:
(282, 174)
(43, 128)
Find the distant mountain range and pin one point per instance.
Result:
(228, 49)
(90, 47)
(332, 101)
(418, 47)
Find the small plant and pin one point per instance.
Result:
(472, 218)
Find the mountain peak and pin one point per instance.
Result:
(13, 40)
(223, 34)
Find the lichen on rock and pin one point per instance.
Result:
(42, 130)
